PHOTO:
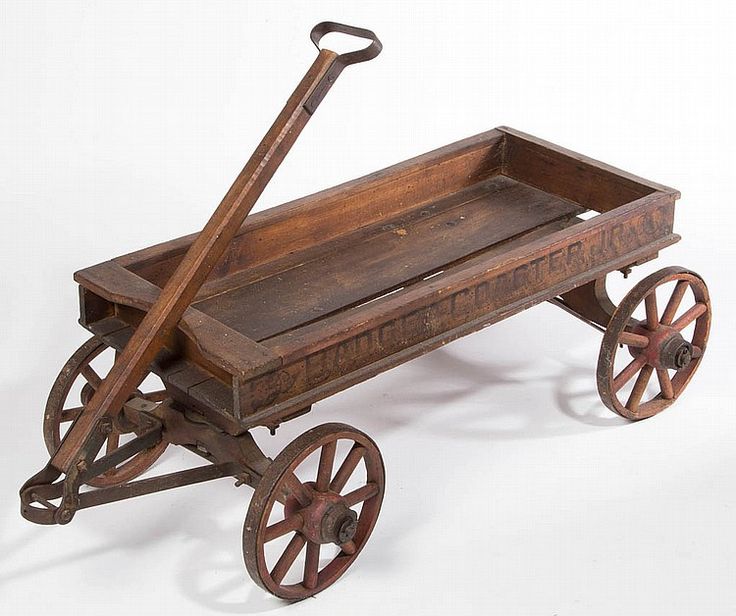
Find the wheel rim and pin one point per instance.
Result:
(315, 513)
(667, 344)
(61, 411)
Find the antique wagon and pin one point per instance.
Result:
(250, 323)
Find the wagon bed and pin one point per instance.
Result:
(466, 234)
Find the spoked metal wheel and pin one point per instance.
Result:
(669, 343)
(64, 406)
(329, 518)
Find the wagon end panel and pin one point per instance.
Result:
(588, 182)
(202, 361)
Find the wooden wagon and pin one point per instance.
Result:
(250, 323)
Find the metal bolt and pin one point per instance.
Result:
(676, 353)
(683, 356)
(241, 480)
(347, 529)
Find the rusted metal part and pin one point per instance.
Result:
(61, 411)
(315, 513)
(43, 487)
(50, 513)
(158, 484)
(343, 60)
(190, 429)
(656, 344)
(149, 436)
(237, 457)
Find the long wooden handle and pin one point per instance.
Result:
(147, 340)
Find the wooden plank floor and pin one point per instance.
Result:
(376, 260)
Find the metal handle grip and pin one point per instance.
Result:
(352, 57)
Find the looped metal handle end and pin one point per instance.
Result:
(352, 57)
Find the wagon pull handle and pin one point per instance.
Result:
(352, 57)
(205, 251)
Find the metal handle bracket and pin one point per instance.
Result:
(341, 60)
(352, 57)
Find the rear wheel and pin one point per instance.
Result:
(64, 405)
(643, 341)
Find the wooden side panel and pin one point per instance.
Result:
(315, 219)
(322, 355)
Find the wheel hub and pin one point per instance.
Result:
(327, 519)
(676, 353)
(339, 524)
(667, 349)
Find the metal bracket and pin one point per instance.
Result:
(194, 432)
(340, 61)
(44, 487)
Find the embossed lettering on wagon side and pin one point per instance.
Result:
(490, 291)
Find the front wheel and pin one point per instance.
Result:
(329, 518)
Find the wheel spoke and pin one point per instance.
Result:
(627, 373)
(639, 387)
(369, 490)
(692, 313)
(297, 489)
(282, 566)
(347, 467)
(650, 303)
(326, 461)
(697, 352)
(349, 548)
(70, 414)
(91, 376)
(674, 303)
(287, 525)
(665, 384)
(311, 565)
(633, 340)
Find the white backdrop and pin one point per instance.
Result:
(511, 489)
